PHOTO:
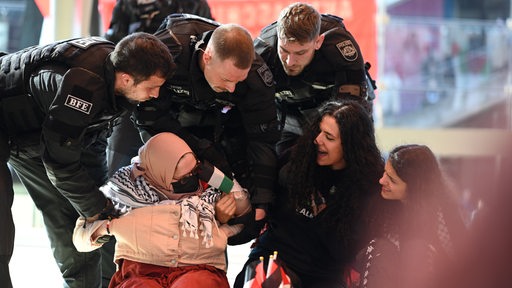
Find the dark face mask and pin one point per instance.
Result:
(188, 184)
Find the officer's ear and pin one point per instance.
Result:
(319, 41)
(122, 81)
(207, 55)
(126, 79)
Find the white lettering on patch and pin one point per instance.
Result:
(78, 104)
(179, 90)
(85, 43)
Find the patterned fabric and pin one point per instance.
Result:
(374, 261)
(380, 264)
(368, 257)
(444, 235)
(197, 211)
(127, 194)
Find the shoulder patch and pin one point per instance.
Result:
(85, 43)
(78, 99)
(78, 104)
(265, 75)
(347, 50)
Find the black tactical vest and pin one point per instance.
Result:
(15, 68)
(182, 30)
(19, 112)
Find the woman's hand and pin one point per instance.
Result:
(225, 208)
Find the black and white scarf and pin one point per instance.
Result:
(197, 211)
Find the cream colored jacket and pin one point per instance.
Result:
(152, 235)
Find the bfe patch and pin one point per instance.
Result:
(84, 43)
(77, 101)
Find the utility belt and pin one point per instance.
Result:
(305, 104)
(306, 108)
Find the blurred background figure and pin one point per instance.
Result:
(20, 24)
(389, 95)
(486, 261)
(131, 16)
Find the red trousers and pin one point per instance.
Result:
(134, 274)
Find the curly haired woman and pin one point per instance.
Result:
(317, 223)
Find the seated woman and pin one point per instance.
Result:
(316, 224)
(167, 234)
(418, 229)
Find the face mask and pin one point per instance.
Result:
(186, 185)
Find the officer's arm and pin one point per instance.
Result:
(267, 52)
(155, 116)
(62, 136)
(260, 119)
(343, 52)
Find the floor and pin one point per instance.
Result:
(32, 250)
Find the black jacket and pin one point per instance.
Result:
(244, 123)
(58, 103)
(338, 61)
(129, 16)
(308, 245)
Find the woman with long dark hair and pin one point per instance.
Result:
(420, 229)
(317, 221)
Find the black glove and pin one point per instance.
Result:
(207, 151)
(109, 212)
(205, 171)
(251, 230)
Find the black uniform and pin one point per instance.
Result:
(57, 106)
(338, 61)
(309, 246)
(131, 16)
(242, 125)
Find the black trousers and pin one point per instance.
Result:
(6, 221)
(92, 269)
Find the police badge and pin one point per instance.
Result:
(347, 50)
(266, 75)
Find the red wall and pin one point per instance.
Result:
(359, 17)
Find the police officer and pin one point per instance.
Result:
(221, 101)
(313, 57)
(131, 16)
(57, 105)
